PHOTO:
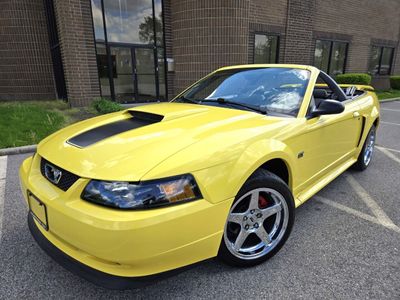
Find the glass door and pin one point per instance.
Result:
(134, 74)
(145, 71)
(123, 75)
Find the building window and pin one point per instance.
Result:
(266, 48)
(381, 60)
(130, 49)
(330, 56)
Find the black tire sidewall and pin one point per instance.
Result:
(360, 165)
(266, 180)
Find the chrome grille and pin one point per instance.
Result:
(67, 178)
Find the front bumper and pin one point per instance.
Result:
(97, 277)
(123, 243)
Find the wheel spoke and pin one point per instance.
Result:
(254, 200)
(272, 210)
(236, 218)
(249, 212)
(240, 239)
(263, 235)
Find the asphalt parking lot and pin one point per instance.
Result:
(345, 244)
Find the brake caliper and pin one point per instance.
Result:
(262, 202)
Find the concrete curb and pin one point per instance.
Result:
(18, 150)
(389, 100)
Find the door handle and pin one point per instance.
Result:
(356, 114)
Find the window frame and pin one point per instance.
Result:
(267, 34)
(332, 41)
(381, 47)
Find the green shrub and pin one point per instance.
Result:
(105, 106)
(354, 78)
(395, 82)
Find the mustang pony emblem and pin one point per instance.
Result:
(52, 173)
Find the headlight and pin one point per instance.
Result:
(146, 194)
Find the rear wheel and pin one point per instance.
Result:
(259, 221)
(365, 157)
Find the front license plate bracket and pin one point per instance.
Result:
(38, 210)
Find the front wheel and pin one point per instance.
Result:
(259, 221)
(365, 156)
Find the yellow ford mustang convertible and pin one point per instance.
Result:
(218, 171)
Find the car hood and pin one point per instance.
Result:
(128, 144)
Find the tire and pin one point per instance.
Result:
(365, 157)
(256, 230)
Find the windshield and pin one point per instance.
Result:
(274, 90)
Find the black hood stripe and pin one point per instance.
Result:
(97, 134)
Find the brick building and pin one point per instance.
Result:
(147, 50)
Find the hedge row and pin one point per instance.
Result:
(354, 78)
(365, 79)
(395, 82)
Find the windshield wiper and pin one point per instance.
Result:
(224, 101)
(184, 99)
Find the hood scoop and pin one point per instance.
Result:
(154, 118)
(92, 136)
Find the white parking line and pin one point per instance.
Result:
(389, 123)
(348, 209)
(386, 151)
(389, 149)
(389, 109)
(379, 217)
(3, 171)
(371, 203)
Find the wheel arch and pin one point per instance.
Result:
(376, 122)
(275, 157)
(373, 122)
(280, 168)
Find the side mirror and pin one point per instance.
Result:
(328, 107)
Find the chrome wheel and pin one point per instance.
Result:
(256, 223)
(369, 147)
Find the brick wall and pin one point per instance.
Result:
(269, 12)
(201, 36)
(25, 63)
(75, 29)
(207, 35)
(299, 26)
(363, 21)
(268, 17)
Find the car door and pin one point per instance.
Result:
(329, 141)
(325, 142)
